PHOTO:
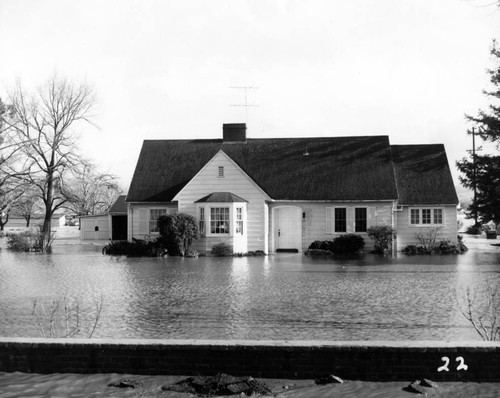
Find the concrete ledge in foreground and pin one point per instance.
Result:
(354, 360)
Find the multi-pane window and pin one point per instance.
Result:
(239, 220)
(153, 219)
(340, 219)
(202, 221)
(415, 216)
(219, 220)
(438, 216)
(360, 219)
(426, 216)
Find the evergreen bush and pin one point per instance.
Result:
(177, 233)
(222, 250)
(137, 248)
(347, 244)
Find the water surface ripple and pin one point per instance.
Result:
(286, 296)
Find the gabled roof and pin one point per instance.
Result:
(423, 175)
(120, 206)
(221, 197)
(338, 168)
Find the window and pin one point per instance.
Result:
(340, 219)
(221, 171)
(426, 216)
(415, 216)
(153, 219)
(438, 216)
(202, 221)
(360, 219)
(239, 221)
(219, 220)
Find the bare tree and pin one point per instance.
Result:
(28, 204)
(11, 166)
(92, 192)
(68, 317)
(481, 307)
(44, 125)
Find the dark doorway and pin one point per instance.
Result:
(119, 227)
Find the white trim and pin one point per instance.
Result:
(278, 201)
(431, 224)
(266, 196)
(232, 206)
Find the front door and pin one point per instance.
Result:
(289, 228)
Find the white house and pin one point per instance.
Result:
(283, 194)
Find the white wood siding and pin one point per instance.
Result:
(314, 224)
(406, 232)
(235, 181)
(138, 218)
(89, 224)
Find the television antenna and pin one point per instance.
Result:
(246, 105)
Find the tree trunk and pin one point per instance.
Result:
(2, 222)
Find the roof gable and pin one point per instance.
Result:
(215, 163)
(338, 168)
(423, 176)
(119, 206)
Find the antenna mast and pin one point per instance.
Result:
(246, 104)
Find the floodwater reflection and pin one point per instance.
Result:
(286, 296)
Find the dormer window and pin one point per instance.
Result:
(221, 171)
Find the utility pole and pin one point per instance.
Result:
(246, 104)
(474, 172)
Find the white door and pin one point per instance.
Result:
(290, 228)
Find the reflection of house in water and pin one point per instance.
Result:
(283, 194)
(108, 226)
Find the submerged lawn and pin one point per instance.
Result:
(285, 296)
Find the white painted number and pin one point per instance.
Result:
(446, 360)
(462, 364)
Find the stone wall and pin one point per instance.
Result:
(380, 361)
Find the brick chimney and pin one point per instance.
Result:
(234, 132)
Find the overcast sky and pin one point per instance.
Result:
(409, 69)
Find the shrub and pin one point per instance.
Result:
(348, 243)
(25, 241)
(441, 247)
(316, 245)
(383, 236)
(137, 248)
(177, 232)
(222, 250)
(447, 247)
(191, 253)
(475, 229)
(461, 244)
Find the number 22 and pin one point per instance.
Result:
(446, 360)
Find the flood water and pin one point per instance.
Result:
(285, 296)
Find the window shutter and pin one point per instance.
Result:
(350, 220)
(329, 220)
(143, 221)
(372, 217)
